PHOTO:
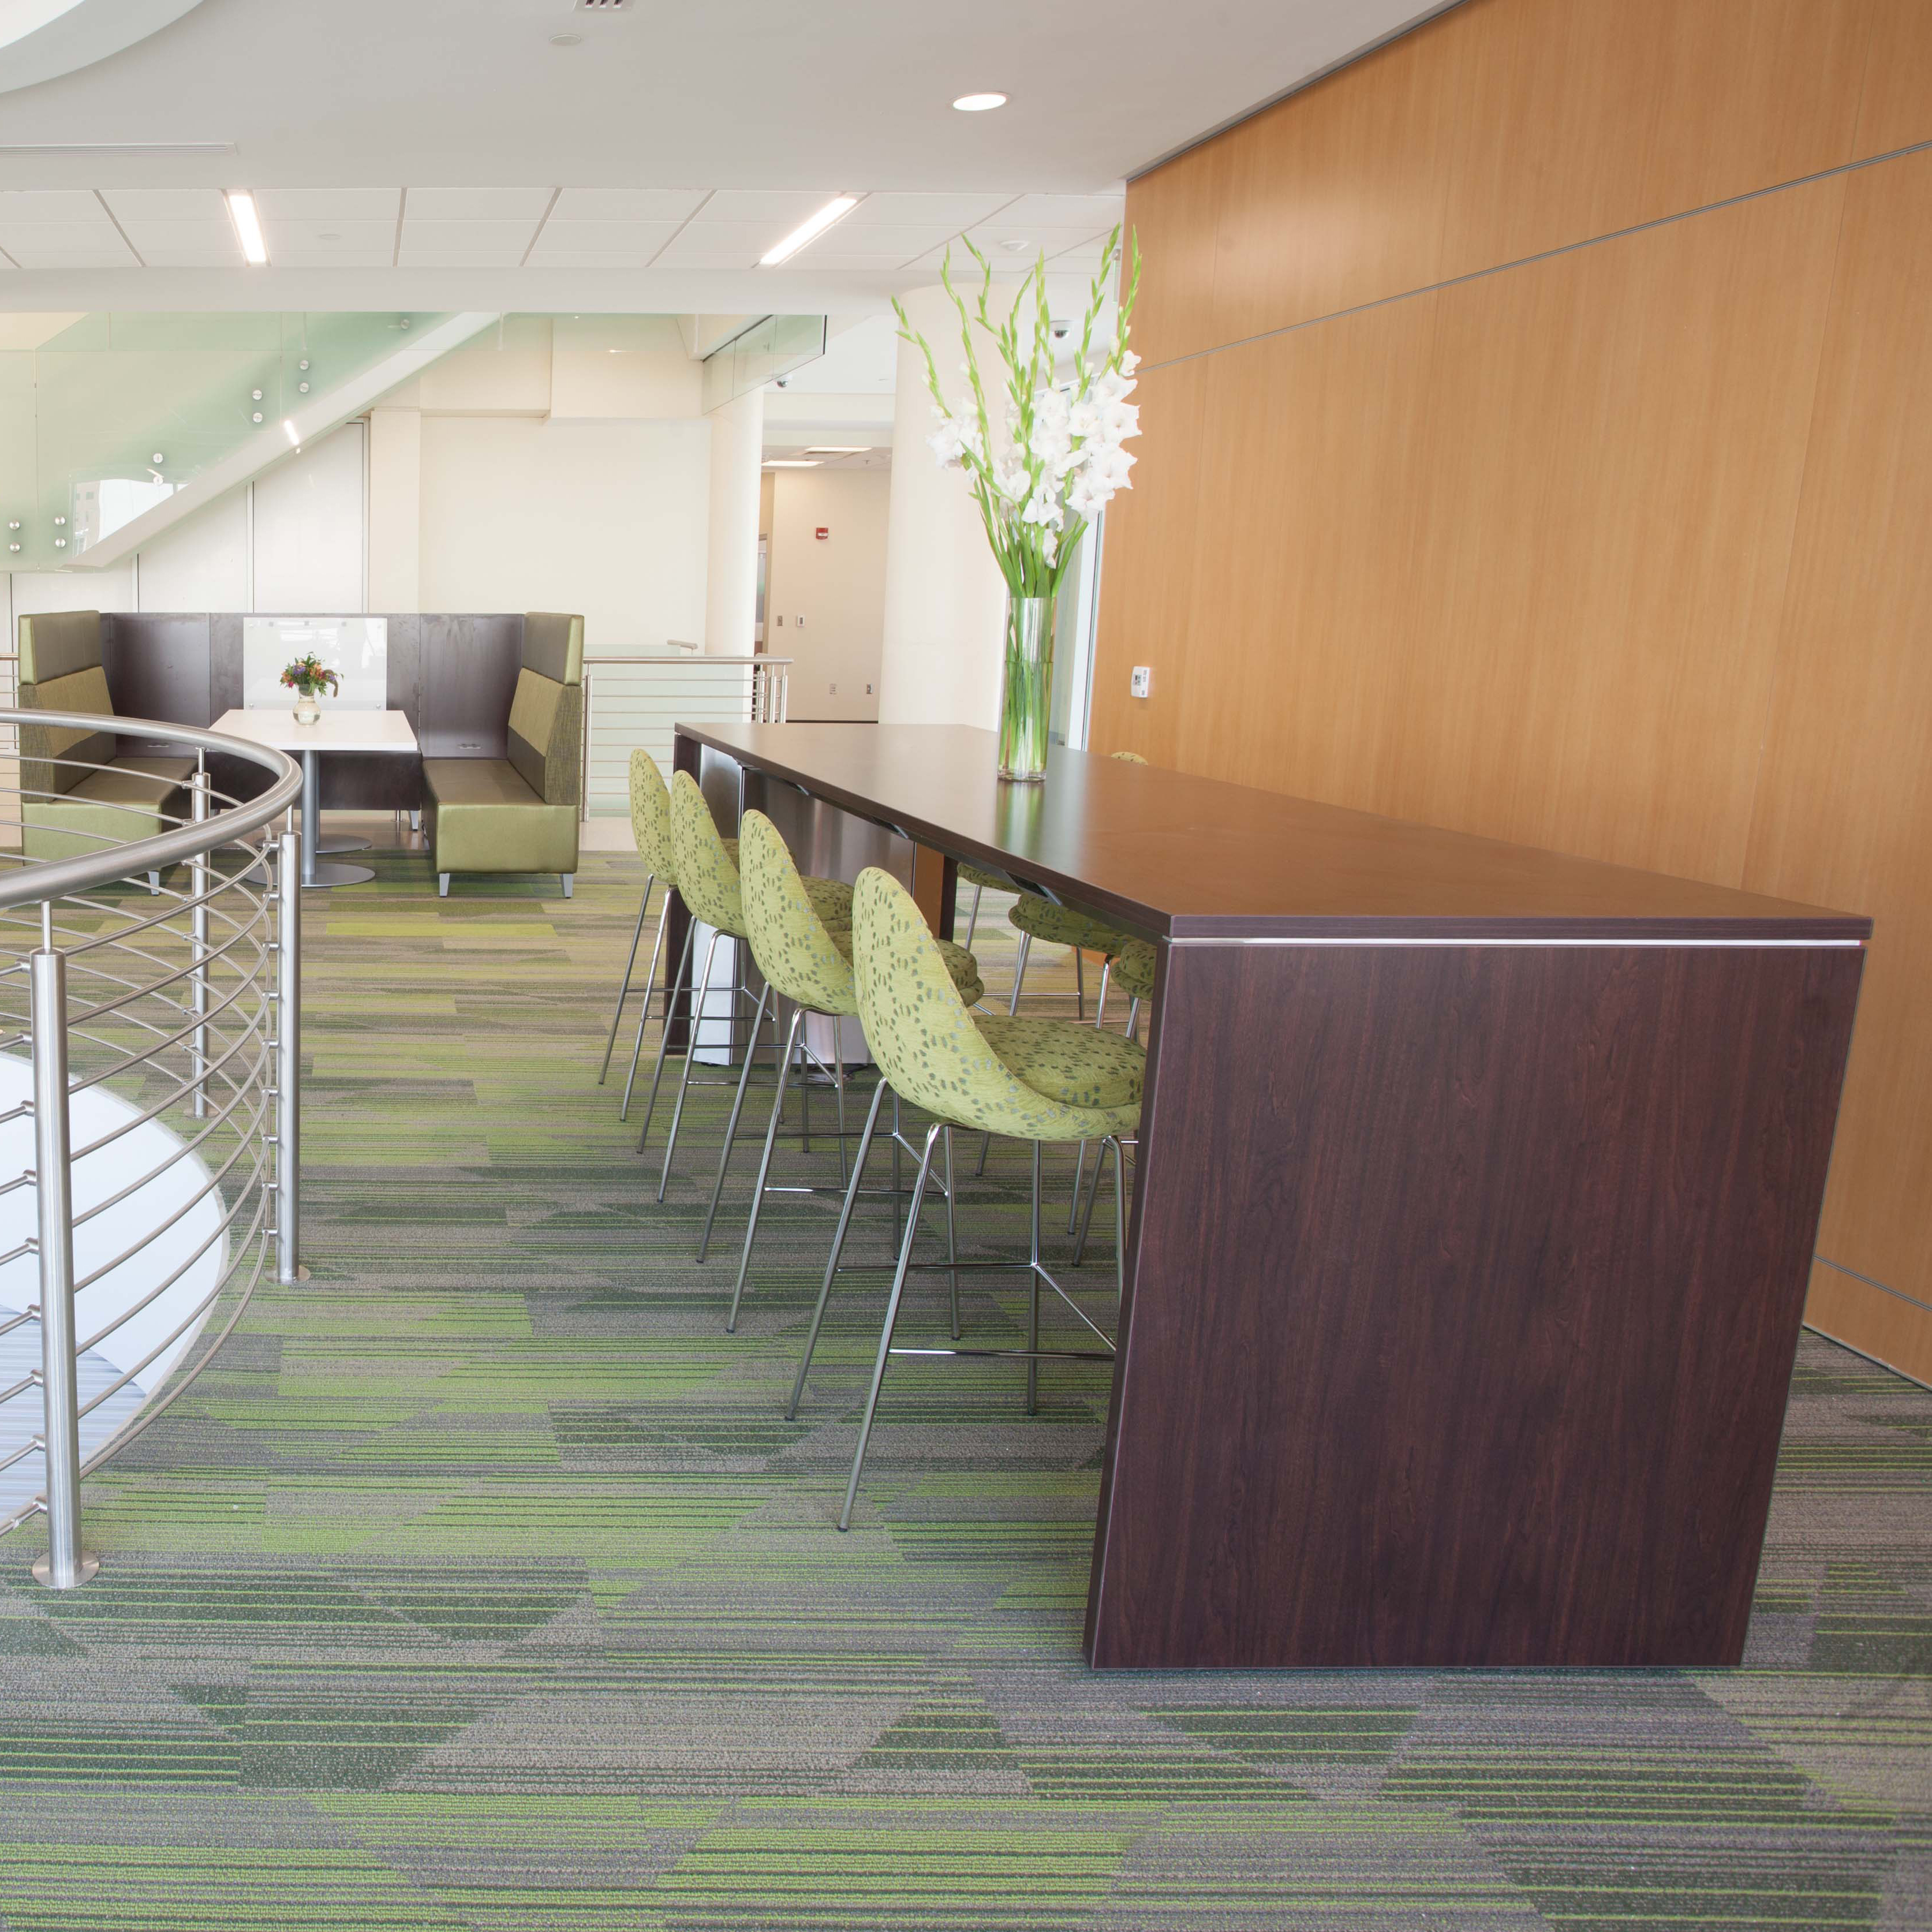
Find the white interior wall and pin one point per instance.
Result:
(309, 530)
(836, 584)
(202, 563)
(604, 517)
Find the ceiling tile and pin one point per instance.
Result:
(571, 258)
(990, 236)
(183, 234)
(479, 204)
(286, 238)
(728, 242)
(1094, 212)
(131, 205)
(626, 204)
(787, 207)
(475, 256)
(344, 255)
(331, 206)
(901, 244)
(465, 238)
(627, 241)
(951, 212)
(49, 204)
(112, 253)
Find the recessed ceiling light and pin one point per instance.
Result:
(978, 103)
(247, 228)
(1016, 245)
(836, 209)
(566, 40)
(839, 449)
(788, 462)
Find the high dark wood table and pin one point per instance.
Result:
(1476, 1194)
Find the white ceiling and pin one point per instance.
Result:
(449, 155)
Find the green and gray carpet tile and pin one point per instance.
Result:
(480, 1582)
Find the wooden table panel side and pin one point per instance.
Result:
(1463, 1319)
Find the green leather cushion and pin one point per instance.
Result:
(136, 799)
(553, 645)
(1078, 1065)
(482, 817)
(55, 643)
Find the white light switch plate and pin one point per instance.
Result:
(1141, 685)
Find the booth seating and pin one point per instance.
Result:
(69, 810)
(518, 813)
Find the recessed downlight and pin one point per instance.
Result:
(979, 104)
(566, 40)
(810, 229)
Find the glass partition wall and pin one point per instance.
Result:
(113, 413)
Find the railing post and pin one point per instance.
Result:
(64, 1567)
(197, 921)
(288, 1059)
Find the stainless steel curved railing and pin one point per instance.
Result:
(149, 1054)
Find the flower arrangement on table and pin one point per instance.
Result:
(307, 677)
(1058, 462)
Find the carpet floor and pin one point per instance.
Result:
(480, 1581)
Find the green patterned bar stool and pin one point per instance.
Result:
(1133, 967)
(807, 960)
(650, 825)
(1037, 1080)
(707, 882)
(1037, 917)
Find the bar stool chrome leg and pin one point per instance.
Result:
(932, 1134)
(624, 991)
(700, 998)
(650, 994)
(663, 1038)
(738, 1107)
(858, 1160)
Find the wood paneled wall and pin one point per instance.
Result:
(1537, 440)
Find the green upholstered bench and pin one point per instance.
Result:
(518, 813)
(69, 812)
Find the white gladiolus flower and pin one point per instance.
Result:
(954, 440)
(1012, 477)
(1044, 508)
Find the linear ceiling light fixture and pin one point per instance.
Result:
(839, 449)
(979, 104)
(248, 227)
(789, 463)
(810, 230)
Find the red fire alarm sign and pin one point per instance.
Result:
(821, 533)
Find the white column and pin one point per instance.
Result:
(394, 510)
(945, 599)
(731, 590)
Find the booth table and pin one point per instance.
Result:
(1475, 1198)
(340, 731)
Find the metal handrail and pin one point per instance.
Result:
(768, 698)
(58, 878)
(197, 994)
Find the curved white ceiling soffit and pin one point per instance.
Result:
(41, 39)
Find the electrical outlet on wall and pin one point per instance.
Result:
(1141, 684)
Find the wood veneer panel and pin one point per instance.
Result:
(1866, 1318)
(1335, 197)
(1172, 212)
(1303, 612)
(1897, 106)
(1845, 800)
(1148, 573)
(1584, 117)
(1614, 446)
(1464, 1301)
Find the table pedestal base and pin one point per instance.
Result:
(322, 873)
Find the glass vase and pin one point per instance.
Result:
(1026, 700)
(307, 711)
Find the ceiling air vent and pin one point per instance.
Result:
(603, 6)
